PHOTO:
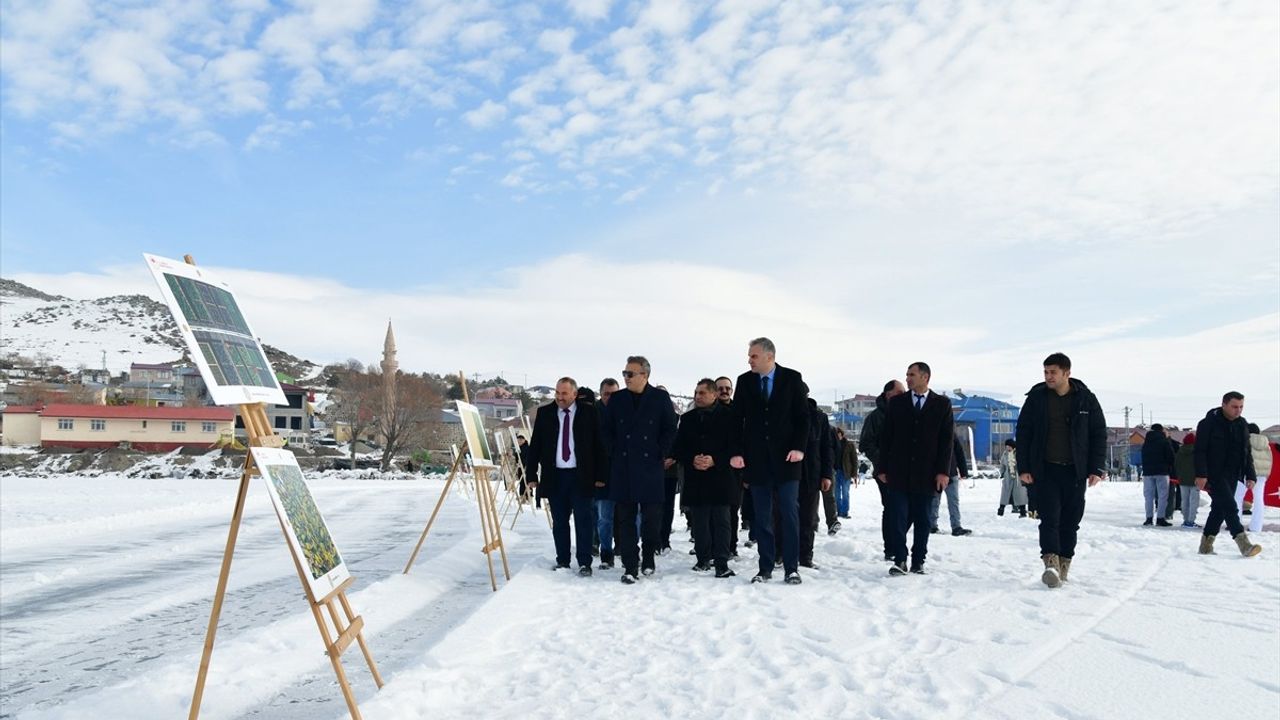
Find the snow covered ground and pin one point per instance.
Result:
(106, 584)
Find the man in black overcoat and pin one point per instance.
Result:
(915, 463)
(704, 443)
(638, 427)
(770, 401)
(565, 467)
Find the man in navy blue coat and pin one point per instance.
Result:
(638, 427)
(771, 402)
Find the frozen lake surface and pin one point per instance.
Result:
(106, 585)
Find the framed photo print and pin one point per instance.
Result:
(220, 341)
(305, 529)
(477, 438)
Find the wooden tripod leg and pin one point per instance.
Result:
(335, 658)
(221, 592)
(482, 483)
(453, 472)
(364, 647)
(496, 530)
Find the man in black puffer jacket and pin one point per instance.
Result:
(1062, 449)
(1222, 459)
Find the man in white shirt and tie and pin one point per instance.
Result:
(566, 447)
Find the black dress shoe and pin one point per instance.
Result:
(725, 573)
(701, 568)
(606, 564)
(961, 531)
(793, 578)
(934, 530)
(917, 568)
(1000, 510)
(584, 571)
(1163, 523)
(647, 571)
(1146, 522)
(898, 568)
(809, 565)
(558, 566)
(761, 578)
(628, 579)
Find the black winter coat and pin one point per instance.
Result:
(706, 432)
(872, 429)
(771, 428)
(1222, 449)
(916, 446)
(1157, 454)
(818, 455)
(959, 461)
(1087, 425)
(587, 449)
(638, 436)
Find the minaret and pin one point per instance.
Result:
(389, 369)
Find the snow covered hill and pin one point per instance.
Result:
(118, 330)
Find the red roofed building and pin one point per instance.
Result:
(150, 429)
(20, 425)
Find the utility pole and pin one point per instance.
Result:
(1127, 410)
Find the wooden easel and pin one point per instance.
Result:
(258, 428)
(490, 527)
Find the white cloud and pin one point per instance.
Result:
(613, 312)
(486, 115)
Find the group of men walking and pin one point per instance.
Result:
(761, 445)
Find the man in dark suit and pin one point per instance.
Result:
(703, 445)
(638, 428)
(770, 401)
(914, 463)
(566, 446)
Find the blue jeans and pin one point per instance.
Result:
(953, 505)
(788, 497)
(1155, 492)
(568, 501)
(604, 527)
(842, 493)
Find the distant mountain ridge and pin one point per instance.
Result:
(15, 289)
(115, 331)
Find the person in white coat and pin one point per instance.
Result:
(1260, 449)
(1012, 491)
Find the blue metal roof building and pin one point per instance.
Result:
(993, 421)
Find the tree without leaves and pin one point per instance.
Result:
(356, 402)
(415, 403)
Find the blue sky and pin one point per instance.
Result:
(545, 188)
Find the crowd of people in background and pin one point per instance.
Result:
(758, 455)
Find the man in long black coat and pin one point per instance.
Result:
(704, 443)
(639, 427)
(915, 463)
(775, 431)
(566, 446)
(869, 442)
(815, 479)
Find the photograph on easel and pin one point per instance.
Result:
(221, 343)
(305, 528)
(477, 438)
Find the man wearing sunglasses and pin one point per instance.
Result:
(771, 402)
(639, 427)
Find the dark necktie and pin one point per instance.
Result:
(919, 401)
(564, 438)
(764, 387)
